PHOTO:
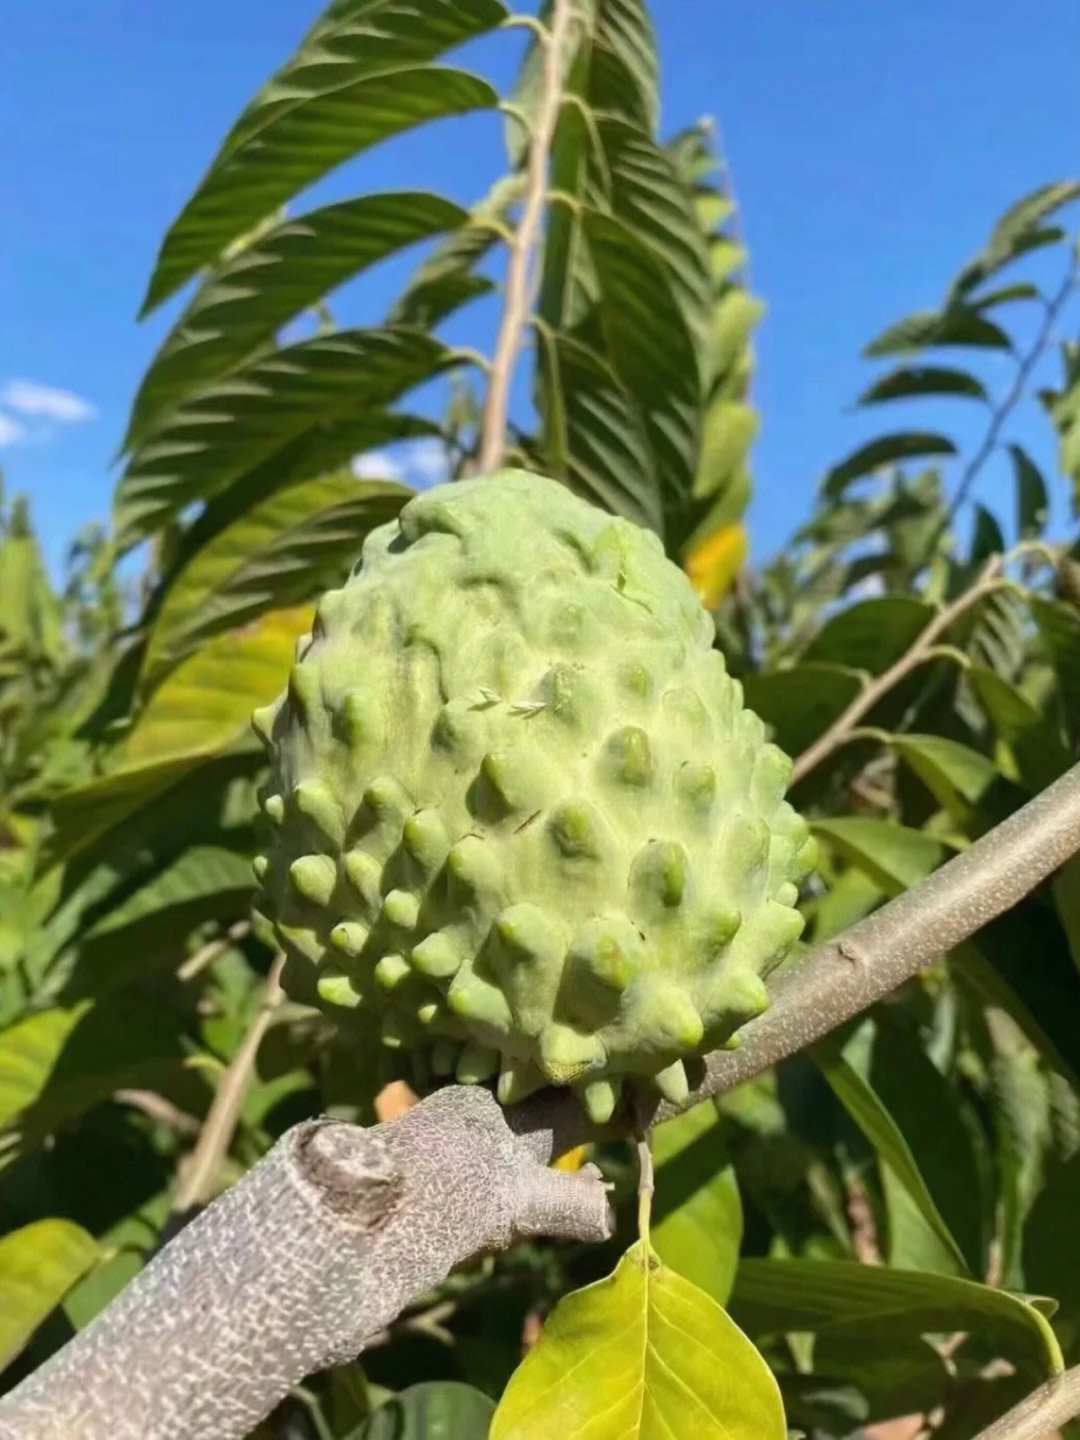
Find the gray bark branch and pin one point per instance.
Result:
(318, 1248)
(333, 1233)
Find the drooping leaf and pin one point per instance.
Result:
(957, 324)
(1032, 498)
(362, 74)
(435, 1410)
(891, 1056)
(774, 1297)
(279, 552)
(801, 701)
(865, 1107)
(207, 701)
(697, 1215)
(292, 397)
(886, 450)
(912, 381)
(714, 564)
(1059, 626)
(246, 300)
(642, 1355)
(987, 539)
(894, 856)
(956, 775)
(871, 634)
(39, 1264)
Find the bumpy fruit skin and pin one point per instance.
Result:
(522, 818)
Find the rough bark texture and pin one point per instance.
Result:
(316, 1249)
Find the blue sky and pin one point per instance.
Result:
(872, 147)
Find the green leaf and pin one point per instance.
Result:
(436, 1410)
(872, 634)
(865, 1107)
(361, 75)
(1032, 497)
(802, 701)
(917, 380)
(776, 1297)
(1059, 626)
(1050, 1249)
(886, 450)
(38, 1266)
(957, 324)
(642, 1355)
(697, 1215)
(894, 856)
(446, 279)
(280, 551)
(267, 410)
(246, 300)
(1018, 231)
(955, 775)
(56, 1064)
(85, 812)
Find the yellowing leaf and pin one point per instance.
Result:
(714, 564)
(38, 1266)
(642, 1355)
(208, 699)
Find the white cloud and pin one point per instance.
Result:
(46, 402)
(376, 465)
(11, 431)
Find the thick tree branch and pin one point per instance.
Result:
(314, 1252)
(329, 1237)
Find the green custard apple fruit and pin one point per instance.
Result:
(522, 820)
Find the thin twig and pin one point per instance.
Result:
(224, 1112)
(208, 953)
(922, 650)
(521, 264)
(1041, 1413)
(160, 1110)
(1016, 390)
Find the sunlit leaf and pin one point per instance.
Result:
(697, 1215)
(894, 856)
(38, 1266)
(245, 301)
(956, 775)
(714, 564)
(361, 75)
(207, 700)
(642, 1355)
